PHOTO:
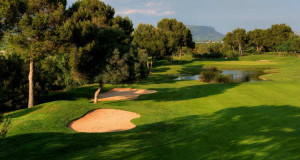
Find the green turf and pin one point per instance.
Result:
(183, 120)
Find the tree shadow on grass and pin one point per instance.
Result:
(158, 79)
(188, 92)
(260, 132)
(85, 92)
(194, 69)
(23, 112)
(159, 70)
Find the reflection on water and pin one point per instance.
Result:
(236, 75)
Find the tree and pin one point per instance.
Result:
(280, 33)
(295, 43)
(240, 38)
(148, 38)
(256, 39)
(32, 30)
(291, 45)
(99, 44)
(121, 69)
(182, 36)
(228, 40)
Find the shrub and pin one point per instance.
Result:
(209, 75)
(214, 69)
(223, 79)
(230, 54)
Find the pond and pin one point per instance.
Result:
(236, 75)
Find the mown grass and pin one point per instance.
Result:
(183, 120)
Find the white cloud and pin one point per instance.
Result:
(154, 4)
(145, 11)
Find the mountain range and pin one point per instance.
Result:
(205, 33)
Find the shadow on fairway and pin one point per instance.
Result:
(188, 92)
(260, 132)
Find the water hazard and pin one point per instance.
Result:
(236, 75)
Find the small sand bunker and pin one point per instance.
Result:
(263, 61)
(104, 120)
(123, 94)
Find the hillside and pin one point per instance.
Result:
(205, 33)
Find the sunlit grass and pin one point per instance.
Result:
(183, 120)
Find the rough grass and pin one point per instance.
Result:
(183, 120)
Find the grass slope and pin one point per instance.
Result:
(183, 120)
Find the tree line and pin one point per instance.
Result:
(278, 38)
(47, 46)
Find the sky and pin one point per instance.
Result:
(223, 15)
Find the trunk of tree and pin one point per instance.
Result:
(233, 49)
(260, 49)
(31, 85)
(180, 53)
(151, 64)
(240, 50)
(257, 48)
(171, 59)
(148, 64)
(97, 93)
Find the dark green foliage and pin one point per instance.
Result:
(148, 38)
(214, 75)
(260, 39)
(213, 69)
(229, 40)
(223, 79)
(123, 69)
(209, 50)
(280, 33)
(14, 82)
(275, 38)
(93, 35)
(209, 75)
(291, 45)
(230, 54)
(181, 34)
(208, 55)
(32, 28)
(4, 125)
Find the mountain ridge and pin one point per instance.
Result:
(205, 33)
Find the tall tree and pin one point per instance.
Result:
(256, 38)
(280, 33)
(148, 38)
(240, 38)
(32, 30)
(181, 34)
(228, 40)
(99, 44)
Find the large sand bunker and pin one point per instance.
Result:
(123, 94)
(104, 120)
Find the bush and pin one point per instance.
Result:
(209, 75)
(223, 79)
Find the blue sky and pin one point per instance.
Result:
(224, 15)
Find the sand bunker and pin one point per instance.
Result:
(263, 61)
(104, 120)
(123, 94)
